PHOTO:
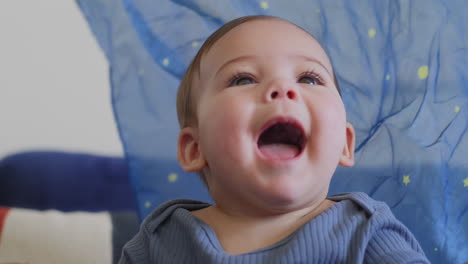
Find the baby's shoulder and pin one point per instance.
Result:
(381, 236)
(361, 202)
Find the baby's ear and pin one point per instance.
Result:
(347, 157)
(188, 150)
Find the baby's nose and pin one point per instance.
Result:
(279, 90)
(290, 94)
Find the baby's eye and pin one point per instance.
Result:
(242, 79)
(310, 78)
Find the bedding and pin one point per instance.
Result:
(63, 207)
(51, 236)
(401, 66)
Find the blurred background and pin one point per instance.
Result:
(54, 87)
(55, 99)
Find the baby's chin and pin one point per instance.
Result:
(288, 196)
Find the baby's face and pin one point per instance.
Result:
(271, 124)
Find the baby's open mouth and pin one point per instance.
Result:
(282, 139)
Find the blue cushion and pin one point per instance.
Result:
(402, 69)
(65, 181)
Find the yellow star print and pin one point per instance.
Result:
(264, 4)
(172, 177)
(465, 182)
(423, 72)
(406, 179)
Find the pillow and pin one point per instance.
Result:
(65, 181)
(32, 236)
(400, 65)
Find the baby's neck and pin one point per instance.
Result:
(239, 234)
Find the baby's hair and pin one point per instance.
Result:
(185, 98)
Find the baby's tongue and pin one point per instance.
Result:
(279, 151)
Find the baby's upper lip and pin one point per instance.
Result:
(281, 119)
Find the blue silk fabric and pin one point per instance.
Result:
(403, 69)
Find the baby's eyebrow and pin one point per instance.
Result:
(241, 58)
(251, 57)
(307, 58)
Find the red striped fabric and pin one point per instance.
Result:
(3, 216)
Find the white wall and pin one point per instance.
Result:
(54, 88)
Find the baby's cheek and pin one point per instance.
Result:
(215, 128)
(328, 120)
(233, 137)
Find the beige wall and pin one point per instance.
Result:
(54, 88)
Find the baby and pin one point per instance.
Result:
(263, 122)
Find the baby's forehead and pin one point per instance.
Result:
(267, 37)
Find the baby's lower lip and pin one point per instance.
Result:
(276, 155)
(279, 151)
